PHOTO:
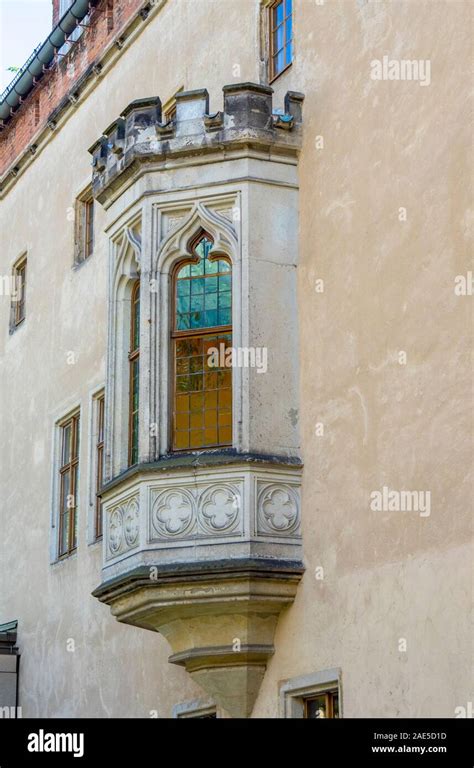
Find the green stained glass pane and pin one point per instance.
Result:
(211, 284)
(184, 271)
(184, 287)
(224, 266)
(197, 269)
(183, 304)
(224, 283)
(225, 299)
(182, 323)
(211, 267)
(197, 303)
(224, 317)
(210, 318)
(197, 286)
(196, 319)
(211, 300)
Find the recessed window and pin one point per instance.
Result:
(201, 336)
(281, 37)
(99, 462)
(18, 293)
(84, 235)
(312, 697)
(134, 367)
(68, 485)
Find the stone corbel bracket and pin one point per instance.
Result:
(139, 135)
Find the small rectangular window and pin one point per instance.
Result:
(84, 236)
(18, 293)
(324, 705)
(281, 37)
(68, 485)
(99, 447)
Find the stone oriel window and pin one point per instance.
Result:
(134, 366)
(281, 36)
(201, 337)
(84, 227)
(68, 484)
(18, 293)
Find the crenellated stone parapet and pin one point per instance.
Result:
(248, 118)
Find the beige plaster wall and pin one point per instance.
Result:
(388, 287)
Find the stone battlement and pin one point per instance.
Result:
(248, 118)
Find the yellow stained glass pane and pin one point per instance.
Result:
(182, 421)
(225, 398)
(225, 435)
(225, 418)
(210, 399)
(182, 403)
(196, 437)
(210, 436)
(210, 418)
(197, 420)
(182, 440)
(196, 402)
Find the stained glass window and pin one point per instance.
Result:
(134, 360)
(201, 337)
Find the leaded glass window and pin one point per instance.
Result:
(201, 336)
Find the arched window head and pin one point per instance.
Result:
(201, 335)
(134, 364)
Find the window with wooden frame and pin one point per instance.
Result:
(281, 36)
(99, 462)
(68, 485)
(200, 337)
(84, 236)
(322, 705)
(18, 293)
(134, 364)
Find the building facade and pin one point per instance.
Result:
(235, 326)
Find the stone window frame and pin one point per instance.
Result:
(294, 691)
(265, 30)
(94, 398)
(83, 207)
(74, 409)
(194, 708)
(171, 251)
(21, 264)
(124, 271)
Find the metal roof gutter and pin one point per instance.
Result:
(42, 56)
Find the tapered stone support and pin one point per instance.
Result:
(219, 621)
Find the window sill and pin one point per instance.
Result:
(16, 326)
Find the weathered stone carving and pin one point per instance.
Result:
(278, 510)
(123, 527)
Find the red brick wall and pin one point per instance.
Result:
(55, 12)
(107, 21)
